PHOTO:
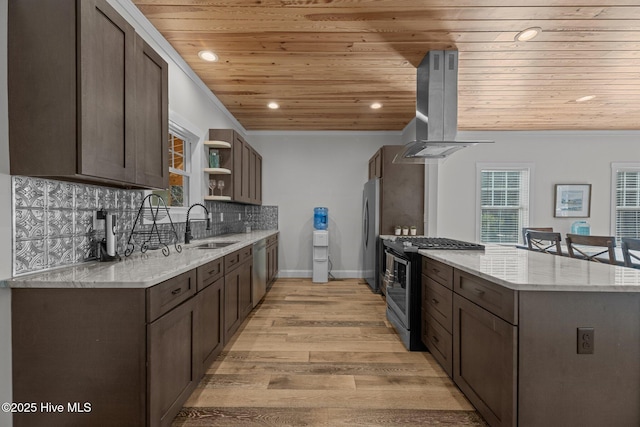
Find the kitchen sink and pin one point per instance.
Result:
(215, 245)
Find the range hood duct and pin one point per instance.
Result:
(436, 110)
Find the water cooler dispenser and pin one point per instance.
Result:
(320, 246)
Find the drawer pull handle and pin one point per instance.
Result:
(478, 291)
(212, 272)
(435, 339)
(435, 270)
(435, 301)
(176, 291)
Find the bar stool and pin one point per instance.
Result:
(607, 242)
(628, 245)
(525, 229)
(544, 241)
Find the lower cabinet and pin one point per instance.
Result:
(238, 301)
(133, 355)
(210, 320)
(173, 368)
(231, 304)
(272, 259)
(485, 361)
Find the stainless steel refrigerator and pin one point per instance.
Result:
(370, 232)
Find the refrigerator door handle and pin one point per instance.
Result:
(366, 223)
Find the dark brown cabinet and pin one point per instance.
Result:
(237, 289)
(485, 361)
(401, 190)
(135, 354)
(210, 311)
(437, 312)
(272, 259)
(152, 124)
(75, 104)
(244, 185)
(173, 370)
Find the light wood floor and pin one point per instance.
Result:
(323, 355)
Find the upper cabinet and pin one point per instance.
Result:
(152, 125)
(244, 182)
(87, 97)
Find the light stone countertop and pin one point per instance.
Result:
(138, 270)
(524, 270)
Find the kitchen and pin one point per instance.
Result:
(329, 168)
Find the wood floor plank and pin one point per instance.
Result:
(323, 355)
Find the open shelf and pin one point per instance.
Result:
(217, 144)
(217, 171)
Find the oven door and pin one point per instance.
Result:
(398, 287)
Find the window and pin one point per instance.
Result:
(504, 203)
(626, 181)
(180, 143)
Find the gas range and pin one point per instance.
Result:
(415, 243)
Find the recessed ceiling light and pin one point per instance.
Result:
(207, 55)
(528, 34)
(585, 98)
(273, 105)
(376, 106)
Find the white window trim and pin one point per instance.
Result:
(480, 166)
(179, 213)
(615, 168)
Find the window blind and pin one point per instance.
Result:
(628, 204)
(504, 205)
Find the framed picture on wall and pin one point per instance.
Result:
(573, 200)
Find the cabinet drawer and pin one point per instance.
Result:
(441, 273)
(496, 299)
(438, 302)
(164, 296)
(209, 273)
(234, 259)
(272, 240)
(440, 343)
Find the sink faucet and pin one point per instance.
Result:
(187, 232)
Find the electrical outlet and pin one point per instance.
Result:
(586, 340)
(221, 216)
(239, 216)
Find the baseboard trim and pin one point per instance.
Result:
(338, 274)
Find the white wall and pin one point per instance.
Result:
(302, 170)
(5, 226)
(558, 158)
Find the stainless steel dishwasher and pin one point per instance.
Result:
(259, 284)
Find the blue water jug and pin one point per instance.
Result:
(320, 218)
(581, 227)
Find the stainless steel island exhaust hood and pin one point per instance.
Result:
(436, 110)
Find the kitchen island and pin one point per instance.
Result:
(534, 339)
(125, 343)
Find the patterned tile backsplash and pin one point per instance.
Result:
(53, 221)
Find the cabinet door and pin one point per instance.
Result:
(258, 179)
(210, 324)
(172, 363)
(107, 93)
(231, 304)
(246, 279)
(246, 172)
(484, 354)
(240, 170)
(252, 176)
(152, 124)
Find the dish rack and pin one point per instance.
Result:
(151, 236)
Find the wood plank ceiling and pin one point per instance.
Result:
(325, 61)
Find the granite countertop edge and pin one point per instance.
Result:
(139, 270)
(523, 270)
